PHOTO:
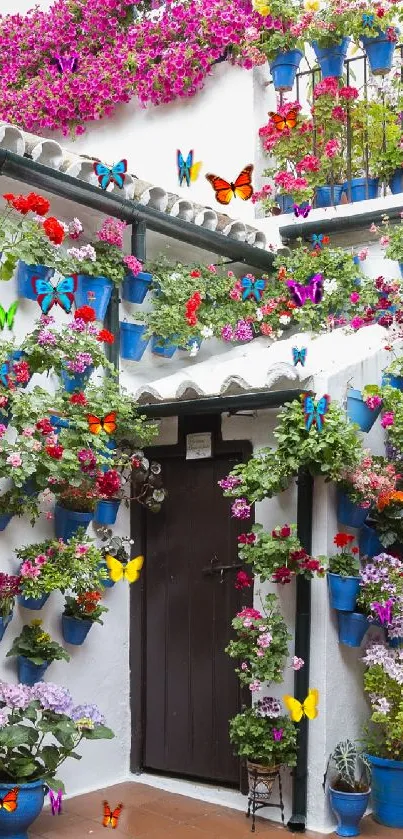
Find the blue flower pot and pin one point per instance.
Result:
(349, 808)
(4, 521)
(95, 292)
(106, 583)
(393, 381)
(387, 785)
(132, 342)
(106, 511)
(394, 643)
(163, 346)
(323, 195)
(331, 59)
(75, 630)
(348, 513)
(108, 452)
(67, 522)
(75, 381)
(359, 188)
(28, 672)
(379, 52)
(396, 182)
(359, 412)
(35, 603)
(25, 273)
(286, 203)
(4, 622)
(30, 803)
(284, 69)
(352, 628)
(196, 340)
(58, 423)
(135, 287)
(343, 592)
(369, 542)
(401, 268)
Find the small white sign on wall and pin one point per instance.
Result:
(198, 446)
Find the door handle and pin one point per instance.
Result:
(220, 569)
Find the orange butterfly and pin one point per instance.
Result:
(289, 121)
(109, 817)
(108, 423)
(10, 800)
(241, 188)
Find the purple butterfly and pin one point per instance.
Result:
(56, 801)
(67, 62)
(313, 291)
(277, 734)
(384, 611)
(300, 210)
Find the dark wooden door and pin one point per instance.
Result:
(191, 689)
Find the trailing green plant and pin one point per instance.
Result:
(263, 735)
(56, 565)
(391, 238)
(383, 681)
(36, 645)
(277, 556)
(352, 769)
(261, 644)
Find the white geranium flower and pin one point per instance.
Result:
(330, 286)
(259, 314)
(284, 320)
(206, 332)
(194, 349)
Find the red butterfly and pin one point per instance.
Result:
(111, 818)
(288, 121)
(241, 188)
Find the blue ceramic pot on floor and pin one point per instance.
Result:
(362, 189)
(343, 592)
(349, 808)
(35, 603)
(352, 628)
(95, 292)
(25, 273)
(75, 630)
(331, 59)
(325, 198)
(30, 673)
(284, 69)
(396, 182)
(4, 622)
(387, 786)
(30, 803)
(67, 522)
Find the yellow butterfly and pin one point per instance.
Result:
(119, 571)
(305, 709)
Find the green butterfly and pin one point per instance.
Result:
(8, 317)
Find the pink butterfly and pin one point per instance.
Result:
(67, 62)
(299, 210)
(313, 291)
(384, 611)
(277, 734)
(56, 802)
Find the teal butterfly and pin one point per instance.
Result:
(111, 174)
(252, 289)
(317, 240)
(368, 20)
(315, 414)
(299, 356)
(7, 317)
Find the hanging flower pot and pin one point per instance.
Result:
(5, 520)
(58, 423)
(349, 808)
(379, 52)
(352, 628)
(348, 513)
(324, 195)
(106, 511)
(135, 287)
(4, 622)
(387, 785)
(67, 522)
(75, 630)
(28, 672)
(284, 69)
(369, 542)
(197, 340)
(95, 292)
(362, 188)
(75, 381)
(343, 592)
(31, 796)
(358, 411)
(132, 341)
(393, 381)
(331, 59)
(35, 603)
(394, 643)
(396, 182)
(25, 273)
(401, 268)
(163, 346)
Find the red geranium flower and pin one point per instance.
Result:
(53, 230)
(85, 313)
(243, 580)
(38, 204)
(54, 451)
(78, 399)
(109, 483)
(282, 575)
(21, 204)
(343, 539)
(21, 372)
(195, 273)
(44, 426)
(105, 336)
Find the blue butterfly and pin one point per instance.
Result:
(187, 170)
(317, 240)
(4, 374)
(299, 356)
(315, 414)
(114, 174)
(368, 20)
(49, 295)
(252, 289)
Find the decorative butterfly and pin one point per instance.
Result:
(368, 20)
(384, 611)
(317, 240)
(97, 424)
(119, 571)
(66, 62)
(187, 170)
(7, 317)
(110, 818)
(241, 188)
(4, 374)
(277, 734)
(114, 174)
(49, 295)
(56, 801)
(307, 708)
(252, 289)
(10, 800)
(313, 291)
(315, 414)
(299, 210)
(288, 121)
(299, 356)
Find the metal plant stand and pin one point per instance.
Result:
(261, 782)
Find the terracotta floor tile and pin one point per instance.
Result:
(179, 831)
(180, 807)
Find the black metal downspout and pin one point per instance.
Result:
(297, 822)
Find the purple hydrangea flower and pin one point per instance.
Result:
(53, 697)
(87, 712)
(15, 696)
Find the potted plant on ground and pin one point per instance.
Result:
(261, 645)
(9, 588)
(80, 613)
(349, 788)
(35, 651)
(360, 488)
(277, 556)
(41, 728)
(381, 595)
